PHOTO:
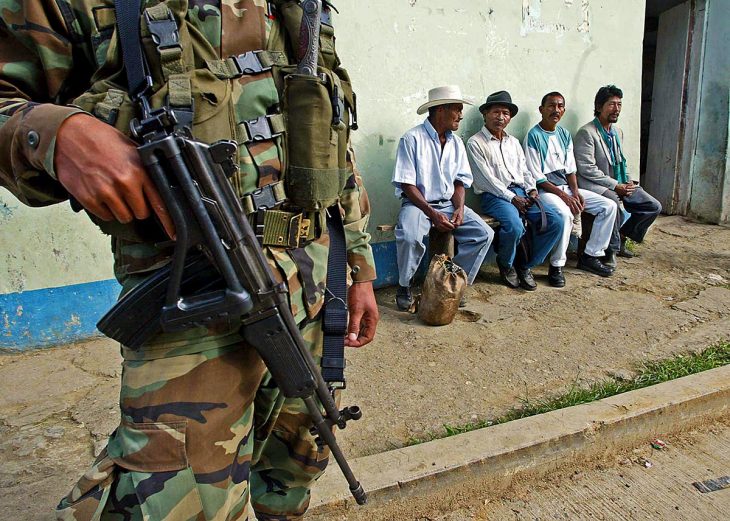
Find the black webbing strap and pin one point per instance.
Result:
(128, 13)
(542, 225)
(334, 321)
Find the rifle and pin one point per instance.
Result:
(218, 271)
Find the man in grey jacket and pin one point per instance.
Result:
(602, 169)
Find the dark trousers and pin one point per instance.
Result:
(643, 208)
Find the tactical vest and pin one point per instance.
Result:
(307, 118)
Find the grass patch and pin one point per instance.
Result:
(650, 373)
(631, 245)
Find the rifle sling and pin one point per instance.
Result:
(334, 321)
(128, 17)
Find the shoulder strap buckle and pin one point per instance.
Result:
(164, 32)
(249, 63)
(263, 128)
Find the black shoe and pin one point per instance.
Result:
(609, 259)
(594, 265)
(624, 251)
(404, 298)
(527, 281)
(509, 277)
(556, 277)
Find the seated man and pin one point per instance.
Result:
(508, 191)
(549, 155)
(602, 169)
(431, 174)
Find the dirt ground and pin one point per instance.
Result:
(58, 405)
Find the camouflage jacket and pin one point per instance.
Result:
(54, 51)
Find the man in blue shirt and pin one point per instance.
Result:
(431, 174)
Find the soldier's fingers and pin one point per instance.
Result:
(158, 206)
(98, 209)
(119, 209)
(353, 328)
(367, 332)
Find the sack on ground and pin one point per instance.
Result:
(442, 290)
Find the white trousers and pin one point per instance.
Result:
(595, 204)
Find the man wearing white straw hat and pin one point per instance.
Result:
(431, 174)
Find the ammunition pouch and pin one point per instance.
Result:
(316, 149)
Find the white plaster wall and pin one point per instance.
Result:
(396, 50)
(49, 247)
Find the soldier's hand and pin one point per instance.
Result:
(364, 314)
(100, 167)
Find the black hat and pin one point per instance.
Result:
(500, 98)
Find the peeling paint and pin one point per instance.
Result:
(6, 212)
(73, 321)
(6, 325)
(534, 22)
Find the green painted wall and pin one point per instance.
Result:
(396, 50)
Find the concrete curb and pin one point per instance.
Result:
(494, 457)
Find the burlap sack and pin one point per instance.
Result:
(442, 290)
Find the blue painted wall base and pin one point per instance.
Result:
(53, 316)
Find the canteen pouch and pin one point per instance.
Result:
(316, 149)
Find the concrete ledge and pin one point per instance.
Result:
(491, 458)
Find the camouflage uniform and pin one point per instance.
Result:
(203, 427)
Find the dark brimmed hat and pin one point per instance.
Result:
(500, 98)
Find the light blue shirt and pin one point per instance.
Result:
(420, 161)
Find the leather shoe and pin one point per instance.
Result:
(556, 277)
(609, 259)
(625, 252)
(527, 281)
(594, 265)
(404, 298)
(509, 277)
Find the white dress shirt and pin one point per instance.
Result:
(497, 164)
(421, 161)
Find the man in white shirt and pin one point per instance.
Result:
(549, 155)
(431, 174)
(508, 193)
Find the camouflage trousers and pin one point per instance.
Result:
(205, 434)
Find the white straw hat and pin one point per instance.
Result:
(443, 96)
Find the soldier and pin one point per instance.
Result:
(205, 433)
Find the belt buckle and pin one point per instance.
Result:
(298, 230)
(304, 227)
